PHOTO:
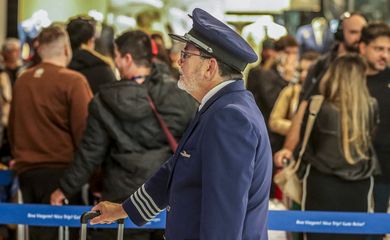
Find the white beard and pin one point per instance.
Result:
(186, 86)
(191, 83)
(181, 85)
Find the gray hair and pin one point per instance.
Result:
(10, 44)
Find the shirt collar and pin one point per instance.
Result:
(213, 91)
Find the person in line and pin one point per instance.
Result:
(5, 102)
(348, 39)
(97, 68)
(339, 162)
(266, 83)
(375, 48)
(288, 100)
(123, 135)
(47, 120)
(216, 185)
(12, 60)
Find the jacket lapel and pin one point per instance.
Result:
(232, 87)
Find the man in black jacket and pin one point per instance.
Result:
(97, 68)
(123, 135)
(375, 48)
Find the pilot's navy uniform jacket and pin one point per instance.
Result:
(216, 185)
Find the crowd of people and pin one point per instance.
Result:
(345, 164)
(73, 116)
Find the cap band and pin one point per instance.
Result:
(199, 43)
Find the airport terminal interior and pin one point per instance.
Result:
(122, 106)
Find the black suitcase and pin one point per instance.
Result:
(88, 216)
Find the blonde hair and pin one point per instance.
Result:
(345, 86)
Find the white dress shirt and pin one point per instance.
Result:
(213, 91)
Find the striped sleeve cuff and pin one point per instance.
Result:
(140, 207)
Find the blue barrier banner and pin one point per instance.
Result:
(47, 215)
(329, 222)
(5, 177)
(291, 221)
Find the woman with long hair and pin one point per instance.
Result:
(339, 161)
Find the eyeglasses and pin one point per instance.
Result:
(184, 55)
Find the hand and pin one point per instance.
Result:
(57, 197)
(109, 212)
(281, 155)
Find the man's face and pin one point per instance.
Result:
(12, 54)
(304, 66)
(292, 50)
(191, 69)
(352, 29)
(268, 53)
(288, 62)
(377, 53)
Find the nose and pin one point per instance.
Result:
(180, 61)
(386, 55)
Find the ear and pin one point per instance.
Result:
(39, 50)
(128, 58)
(67, 50)
(212, 69)
(91, 42)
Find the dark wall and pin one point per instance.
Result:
(12, 18)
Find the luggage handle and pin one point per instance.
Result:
(88, 216)
(85, 217)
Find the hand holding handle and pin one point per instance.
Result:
(88, 216)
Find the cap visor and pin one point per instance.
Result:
(178, 37)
